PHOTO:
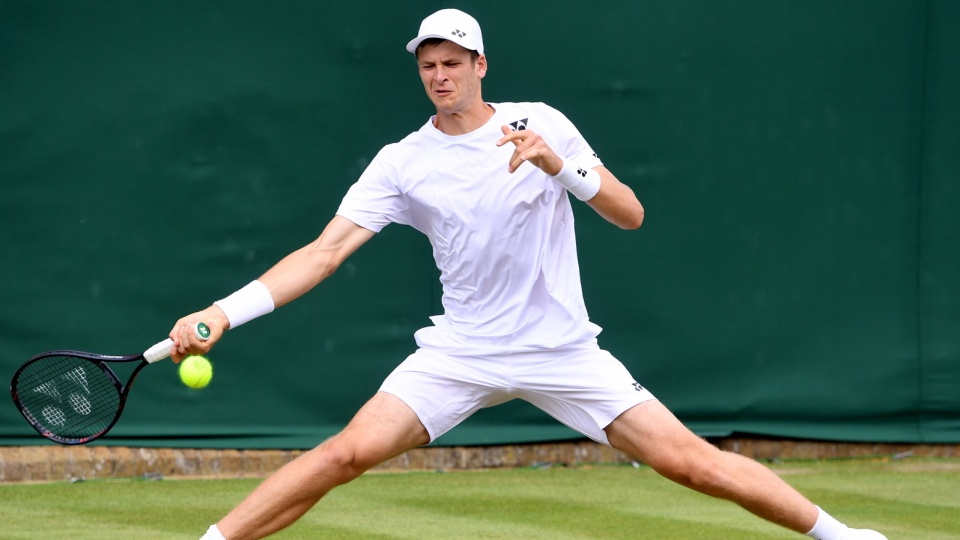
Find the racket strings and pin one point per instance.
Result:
(70, 397)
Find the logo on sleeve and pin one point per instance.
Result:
(519, 125)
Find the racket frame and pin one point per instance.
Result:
(157, 352)
(100, 361)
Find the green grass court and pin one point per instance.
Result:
(911, 499)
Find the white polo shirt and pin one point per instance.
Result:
(504, 243)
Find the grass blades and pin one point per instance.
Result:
(910, 499)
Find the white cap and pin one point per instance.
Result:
(453, 25)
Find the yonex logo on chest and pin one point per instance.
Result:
(519, 125)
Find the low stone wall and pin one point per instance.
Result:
(773, 450)
(64, 463)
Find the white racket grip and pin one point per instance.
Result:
(159, 351)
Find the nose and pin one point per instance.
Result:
(439, 74)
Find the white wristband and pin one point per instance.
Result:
(583, 183)
(246, 304)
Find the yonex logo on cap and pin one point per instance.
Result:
(450, 24)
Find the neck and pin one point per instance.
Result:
(463, 121)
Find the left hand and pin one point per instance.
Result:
(530, 147)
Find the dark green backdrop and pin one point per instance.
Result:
(797, 273)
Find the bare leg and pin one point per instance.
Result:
(652, 434)
(383, 428)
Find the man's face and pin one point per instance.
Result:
(450, 76)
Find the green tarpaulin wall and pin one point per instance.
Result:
(797, 275)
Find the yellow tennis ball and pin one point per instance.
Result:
(196, 371)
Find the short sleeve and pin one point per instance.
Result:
(570, 143)
(375, 200)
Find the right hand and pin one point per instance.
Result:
(185, 341)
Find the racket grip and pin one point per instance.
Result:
(159, 351)
(202, 331)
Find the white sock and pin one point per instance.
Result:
(213, 533)
(827, 527)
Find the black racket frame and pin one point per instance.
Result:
(98, 360)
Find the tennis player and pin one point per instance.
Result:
(489, 184)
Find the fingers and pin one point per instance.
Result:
(186, 342)
(506, 130)
(195, 334)
(516, 137)
(516, 160)
(529, 147)
(522, 141)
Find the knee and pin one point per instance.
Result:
(701, 471)
(338, 459)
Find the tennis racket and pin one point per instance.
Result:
(73, 397)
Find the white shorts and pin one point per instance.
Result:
(584, 387)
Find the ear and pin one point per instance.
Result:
(482, 65)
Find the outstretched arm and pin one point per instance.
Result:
(286, 281)
(614, 201)
(306, 267)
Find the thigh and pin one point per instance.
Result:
(652, 434)
(383, 428)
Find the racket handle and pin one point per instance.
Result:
(202, 331)
(159, 351)
(162, 350)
